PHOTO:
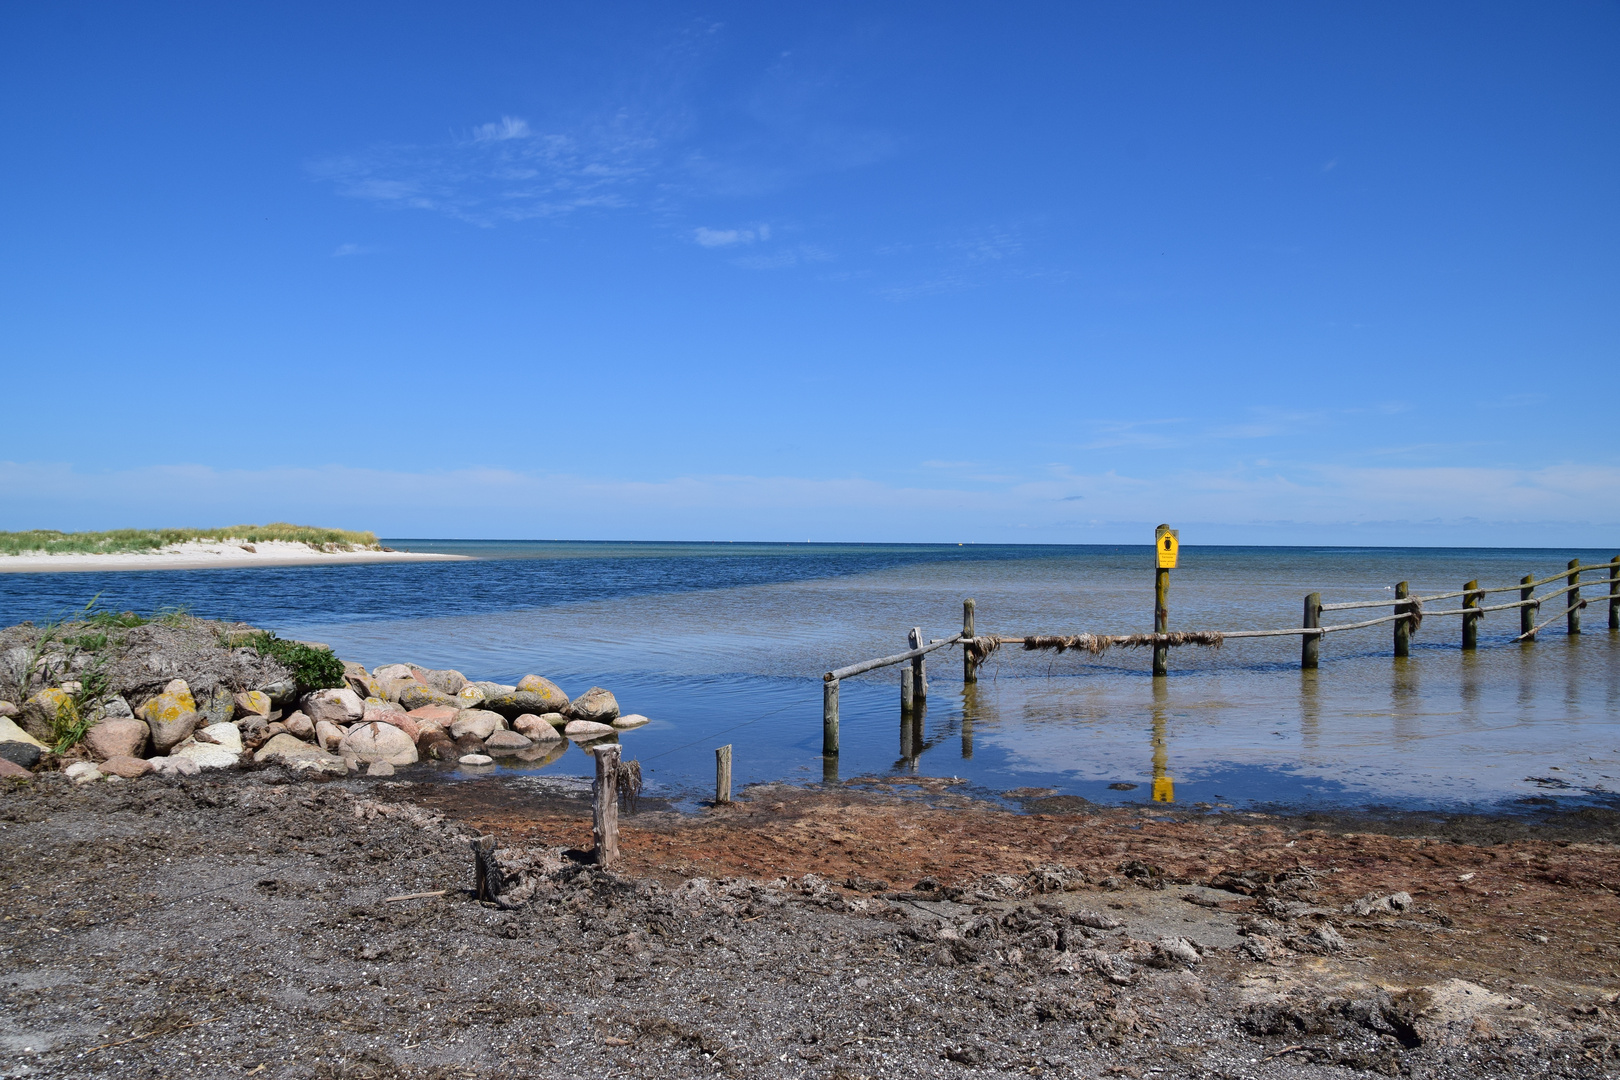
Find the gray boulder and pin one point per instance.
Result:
(447, 681)
(300, 756)
(597, 705)
(480, 723)
(507, 740)
(334, 706)
(420, 695)
(378, 742)
(514, 703)
(586, 730)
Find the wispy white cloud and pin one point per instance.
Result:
(713, 238)
(506, 170)
(345, 250)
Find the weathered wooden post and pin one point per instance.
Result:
(970, 669)
(1572, 622)
(1403, 627)
(919, 666)
(605, 806)
(486, 872)
(1527, 607)
(1470, 627)
(1614, 593)
(906, 694)
(722, 774)
(1310, 645)
(829, 715)
(1166, 547)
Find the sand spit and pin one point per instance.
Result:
(212, 555)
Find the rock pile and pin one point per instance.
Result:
(394, 715)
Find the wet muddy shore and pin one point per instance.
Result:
(251, 927)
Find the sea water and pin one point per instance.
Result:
(726, 643)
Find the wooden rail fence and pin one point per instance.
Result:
(1408, 615)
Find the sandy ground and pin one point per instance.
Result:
(197, 555)
(243, 926)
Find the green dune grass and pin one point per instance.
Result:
(51, 542)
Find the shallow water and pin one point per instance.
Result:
(726, 643)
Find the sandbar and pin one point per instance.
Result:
(211, 555)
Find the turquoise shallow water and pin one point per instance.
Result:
(726, 643)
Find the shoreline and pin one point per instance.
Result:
(790, 935)
(211, 556)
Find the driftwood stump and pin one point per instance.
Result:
(605, 808)
(487, 877)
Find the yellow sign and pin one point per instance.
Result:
(1167, 541)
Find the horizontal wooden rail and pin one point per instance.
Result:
(1576, 606)
(885, 661)
(1589, 568)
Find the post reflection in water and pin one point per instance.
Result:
(829, 768)
(1405, 699)
(1310, 709)
(1468, 689)
(911, 734)
(970, 712)
(1164, 785)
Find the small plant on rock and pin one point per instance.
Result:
(312, 668)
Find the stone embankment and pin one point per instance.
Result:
(188, 696)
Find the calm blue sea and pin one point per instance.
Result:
(726, 643)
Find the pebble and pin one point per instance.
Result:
(477, 759)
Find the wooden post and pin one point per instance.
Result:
(605, 806)
(906, 697)
(722, 774)
(1470, 627)
(919, 669)
(486, 872)
(1572, 621)
(1161, 619)
(1527, 608)
(1403, 627)
(829, 716)
(1614, 593)
(1310, 645)
(970, 670)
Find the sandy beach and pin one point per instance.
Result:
(209, 556)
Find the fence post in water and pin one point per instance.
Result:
(919, 669)
(1572, 622)
(906, 697)
(970, 670)
(1614, 593)
(1161, 619)
(1470, 627)
(722, 774)
(1310, 645)
(605, 811)
(1403, 627)
(1527, 608)
(829, 716)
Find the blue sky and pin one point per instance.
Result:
(1042, 272)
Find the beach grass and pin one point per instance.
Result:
(52, 542)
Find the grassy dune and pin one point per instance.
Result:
(51, 542)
